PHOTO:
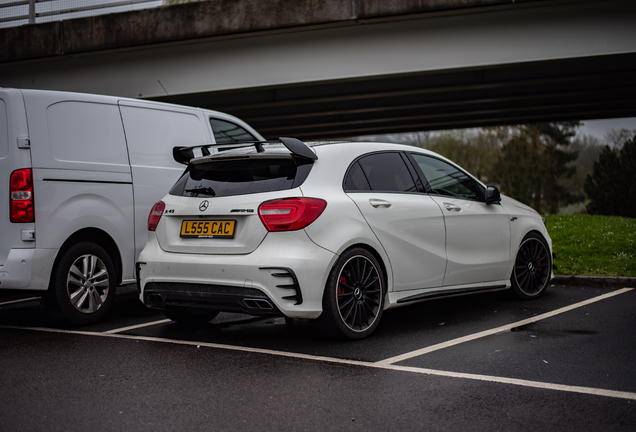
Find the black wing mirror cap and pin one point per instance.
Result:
(492, 195)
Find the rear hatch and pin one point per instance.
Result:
(213, 207)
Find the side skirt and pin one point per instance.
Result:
(451, 292)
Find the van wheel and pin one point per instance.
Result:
(193, 317)
(353, 300)
(83, 287)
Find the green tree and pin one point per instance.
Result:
(534, 163)
(612, 184)
(588, 148)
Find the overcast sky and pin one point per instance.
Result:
(598, 128)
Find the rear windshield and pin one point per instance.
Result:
(218, 178)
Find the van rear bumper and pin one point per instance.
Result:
(27, 269)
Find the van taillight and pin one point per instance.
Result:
(155, 215)
(21, 196)
(289, 214)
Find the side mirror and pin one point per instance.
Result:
(492, 195)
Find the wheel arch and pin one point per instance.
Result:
(547, 240)
(96, 236)
(532, 231)
(376, 255)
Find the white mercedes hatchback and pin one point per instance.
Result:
(332, 231)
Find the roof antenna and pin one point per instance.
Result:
(164, 89)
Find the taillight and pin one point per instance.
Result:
(21, 196)
(290, 214)
(155, 215)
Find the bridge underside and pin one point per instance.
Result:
(352, 74)
(576, 89)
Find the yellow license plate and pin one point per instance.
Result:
(208, 229)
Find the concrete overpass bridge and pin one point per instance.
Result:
(337, 68)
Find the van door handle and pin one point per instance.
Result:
(378, 203)
(452, 207)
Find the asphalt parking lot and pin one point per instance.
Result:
(483, 362)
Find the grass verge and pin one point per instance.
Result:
(593, 245)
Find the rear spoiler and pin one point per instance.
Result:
(295, 146)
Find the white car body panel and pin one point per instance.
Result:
(309, 261)
(477, 241)
(410, 228)
(248, 235)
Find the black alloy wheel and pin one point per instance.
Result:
(533, 267)
(353, 299)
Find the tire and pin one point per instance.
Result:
(193, 317)
(353, 297)
(533, 266)
(83, 285)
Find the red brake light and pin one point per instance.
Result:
(21, 196)
(290, 214)
(155, 215)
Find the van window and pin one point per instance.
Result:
(227, 132)
(152, 133)
(4, 131)
(86, 132)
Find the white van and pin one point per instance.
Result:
(79, 175)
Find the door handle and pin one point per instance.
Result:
(378, 203)
(452, 207)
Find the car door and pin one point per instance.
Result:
(477, 234)
(407, 222)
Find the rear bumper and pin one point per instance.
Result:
(27, 269)
(285, 275)
(163, 295)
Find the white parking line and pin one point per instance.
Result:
(388, 363)
(19, 300)
(123, 329)
(488, 378)
(496, 330)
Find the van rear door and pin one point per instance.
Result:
(152, 130)
(13, 135)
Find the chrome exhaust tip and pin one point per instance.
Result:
(258, 304)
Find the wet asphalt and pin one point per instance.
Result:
(571, 371)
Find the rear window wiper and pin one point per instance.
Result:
(199, 190)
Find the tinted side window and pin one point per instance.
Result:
(445, 179)
(387, 172)
(356, 181)
(227, 132)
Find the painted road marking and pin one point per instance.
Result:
(496, 330)
(383, 364)
(488, 378)
(19, 300)
(123, 329)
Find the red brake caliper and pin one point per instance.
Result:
(341, 289)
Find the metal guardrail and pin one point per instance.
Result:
(15, 13)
